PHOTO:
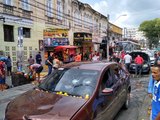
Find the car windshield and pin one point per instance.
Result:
(77, 82)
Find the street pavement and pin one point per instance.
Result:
(139, 101)
(143, 101)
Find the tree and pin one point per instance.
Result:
(151, 31)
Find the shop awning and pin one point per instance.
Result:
(59, 48)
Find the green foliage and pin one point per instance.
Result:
(151, 31)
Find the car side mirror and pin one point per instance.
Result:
(107, 91)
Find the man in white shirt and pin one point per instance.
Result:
(127, 61)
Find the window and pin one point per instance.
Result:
(26, 32)
(49, 8)
(77, 18)
(7, 2)
(8, 33)
(25, 5)
(107, 81)
(59, 9)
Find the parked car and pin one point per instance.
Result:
(146, 65)
(151, 55)
(77, 91)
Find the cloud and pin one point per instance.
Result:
(137, 10)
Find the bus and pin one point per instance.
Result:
(127, 46)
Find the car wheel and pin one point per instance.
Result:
(127, 101)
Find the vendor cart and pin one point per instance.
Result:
(66, 53)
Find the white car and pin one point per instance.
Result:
(151, 55)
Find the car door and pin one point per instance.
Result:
(120, 86)
(107, 103)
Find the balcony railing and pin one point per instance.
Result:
(7, 9)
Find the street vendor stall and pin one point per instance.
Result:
(66, 52)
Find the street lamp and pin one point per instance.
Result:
(119, 17)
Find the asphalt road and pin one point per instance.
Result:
(139, 102)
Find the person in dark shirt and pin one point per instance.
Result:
(9, 66)
(50, 63)
(38, 58)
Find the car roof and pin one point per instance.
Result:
(88, 65)
(138, 52)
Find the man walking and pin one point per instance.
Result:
(139, 62)
(127, 61)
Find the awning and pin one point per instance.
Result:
(59, 48)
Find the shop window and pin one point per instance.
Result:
(8, 33)
(26, 32)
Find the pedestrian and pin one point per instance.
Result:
(19, 65)
(78, 58)
(127, 60)
(95, 58)
(36, 69)
(139, 62)
(50, 63)
(122, 54)
(56, 63)
(30, 60)
(2, 75)
(9, 65)
(38, 58)
(157, 60)
(155, 113)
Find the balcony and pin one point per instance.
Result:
(7, 9)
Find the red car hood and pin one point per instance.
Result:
(43, 106)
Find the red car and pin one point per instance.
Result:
(77, 91)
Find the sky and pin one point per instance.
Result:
(127, 13)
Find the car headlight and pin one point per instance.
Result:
(145, 65)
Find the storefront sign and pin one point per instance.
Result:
(84, 37)
(55, 37)
(55, 33)
(55, 42)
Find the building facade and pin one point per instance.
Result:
(29, 26)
